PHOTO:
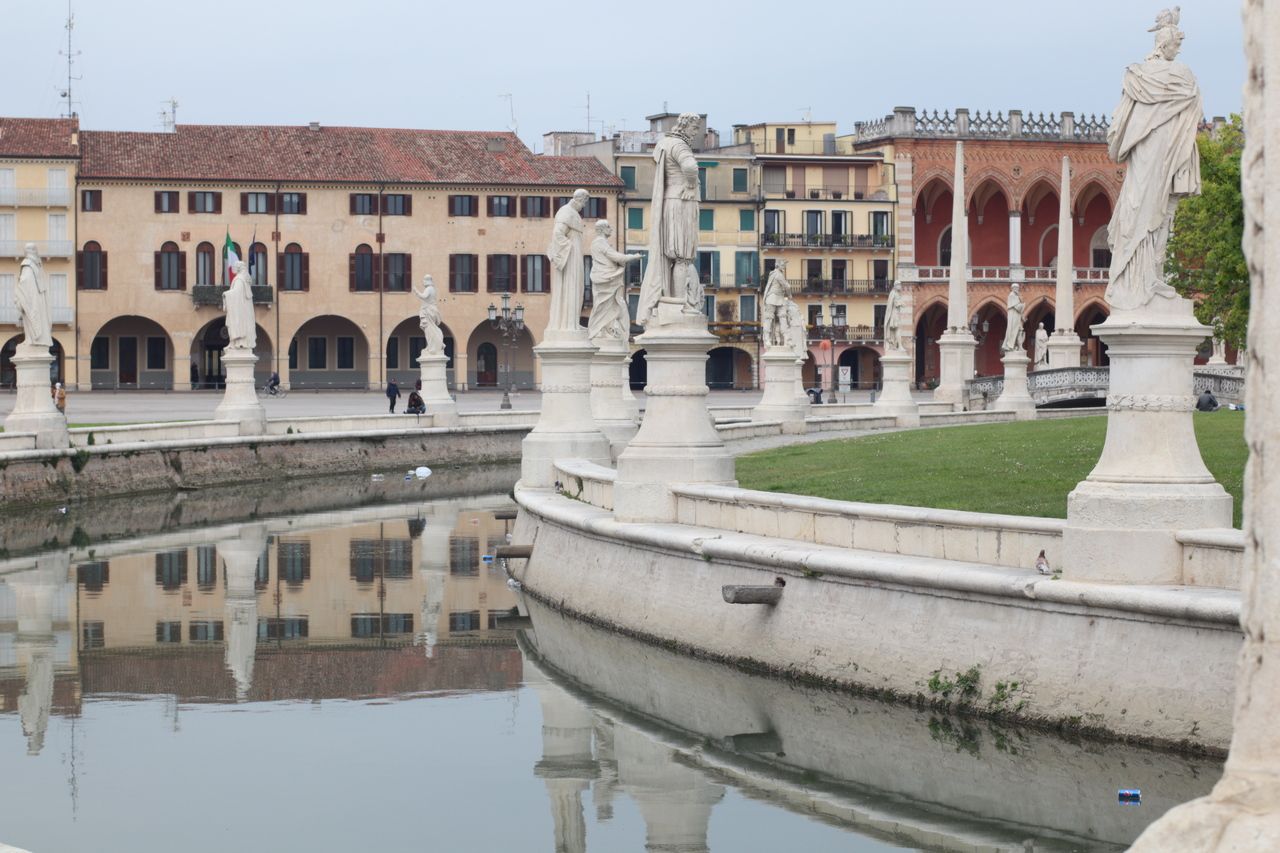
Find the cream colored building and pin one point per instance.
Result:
(38, 166)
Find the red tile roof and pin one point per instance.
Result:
(332, 154)
(38, 137)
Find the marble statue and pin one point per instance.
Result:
(568, 279)
(237, 302)
(1042, 346)
(1153, 132)
(32, 296)
(893, 319)
(429, 317)
(1219, 344)
(673, 240)
(609, 307)
(796, 333)
(1015, 333)
(777, 296)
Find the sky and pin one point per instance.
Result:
(392, 63)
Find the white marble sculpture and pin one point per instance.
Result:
(673, 240)
(1219, 355)
(609, 292)
(1042, 346)
(777, 298)
(568, 279)
(429, 317)
(893, 319)
(32, 296)
(1015, 332)
(796, 333)
(1153, 132)
(237, 302)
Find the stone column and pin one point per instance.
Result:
(565, 428)
(33, 408)
(779, 402)
(1064, 343)
(955, 346)
(1150, 481)
(675, 800)
(240, 399)
(240, 562)
(435, 389)
(617, 417)
(1015, 238)
(677, 442)
(567, 766)
(1243, 811)
(895, 393)
(1015, 397)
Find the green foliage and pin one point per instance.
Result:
(965, 685)
(1023, 468)
(1205, 260)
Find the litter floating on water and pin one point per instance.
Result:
(422, 472)
(378, 478)
(1129, 796)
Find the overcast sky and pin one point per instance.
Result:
(433, 64)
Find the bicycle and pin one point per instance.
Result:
(273, 391)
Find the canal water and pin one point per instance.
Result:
(335, 666)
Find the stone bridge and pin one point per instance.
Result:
(1065, 386)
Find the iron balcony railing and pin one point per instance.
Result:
(843, 333)
(211, 294)
(1004, 274)
(829, 193)
(841, 286)
(735, 331)
(829, 241)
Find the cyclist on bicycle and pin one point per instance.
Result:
(273, 384)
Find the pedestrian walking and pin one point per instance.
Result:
(393, 394)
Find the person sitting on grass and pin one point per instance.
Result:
(1207, 402)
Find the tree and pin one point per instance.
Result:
(1205, 260)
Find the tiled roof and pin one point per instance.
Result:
(38, 137)
(331, 154)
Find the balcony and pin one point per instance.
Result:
(727, 283)
(1038, 275)
(35, 197)
(203, 295)
(733, 331)
(829, 193)
(875, 242)
(847, 334)
(46, 248)
(840, 286)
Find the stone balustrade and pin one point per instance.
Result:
(963, 124)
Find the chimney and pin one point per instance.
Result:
(495, 143)
(315, 125)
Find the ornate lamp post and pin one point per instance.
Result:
(829, 333)
(509, 324)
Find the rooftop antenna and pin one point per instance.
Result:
(169, 115)
(514, 126)
(807, 112)
(71, 59)
(588, 112)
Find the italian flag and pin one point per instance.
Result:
(229, 251)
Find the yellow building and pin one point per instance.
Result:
(38, 164)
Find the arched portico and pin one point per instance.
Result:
(131, 352)
(864, 367)
(1095, 351)
(488, 357)
(728, 367)
(403, 346)
(991, 327)
(930, 325)
(8, 376)
(328, 352)
(206, 355)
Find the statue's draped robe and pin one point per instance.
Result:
(567, 275)
(673, 233)
(1014, 333)
(893, 320)
(1154, 133)
(32, 296)
(238, 303)
(777, 295)
(429, 318)
(609, 296)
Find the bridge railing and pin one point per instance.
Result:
(1060, 384)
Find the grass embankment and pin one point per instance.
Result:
(1024, 468)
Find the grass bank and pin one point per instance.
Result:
(1024, 468)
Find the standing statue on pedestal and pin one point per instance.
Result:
(609, 292)
(429, 317)
(32, 296)
(1219, 344)
(237, 302)
(673, 234)
(1042, 346)
(568, 279)
(777, 296)
(796, 331)
(1015, 334)
(1153, 131)
(893, 319)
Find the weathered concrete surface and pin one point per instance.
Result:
(913, 775)
(34, 477)
(1105, 657)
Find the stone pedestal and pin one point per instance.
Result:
(565, 428)
(1150, 481)
(677, 442)
(612, 404)
(895, 393)
(779, 403)
(1064, 349)
(240, 399)
(33, 410)
(955, 354)
(435, 389)
(1015, 397)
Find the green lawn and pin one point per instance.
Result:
(1024, 468)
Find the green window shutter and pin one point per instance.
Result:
(739, 180)
(635, 217)
(707, 220)
(715, 269)
(745, 265)
(629, 177)
(746, 220)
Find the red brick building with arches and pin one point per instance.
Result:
(1013, 167)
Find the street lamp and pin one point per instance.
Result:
(830, 333)
(509, 325)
